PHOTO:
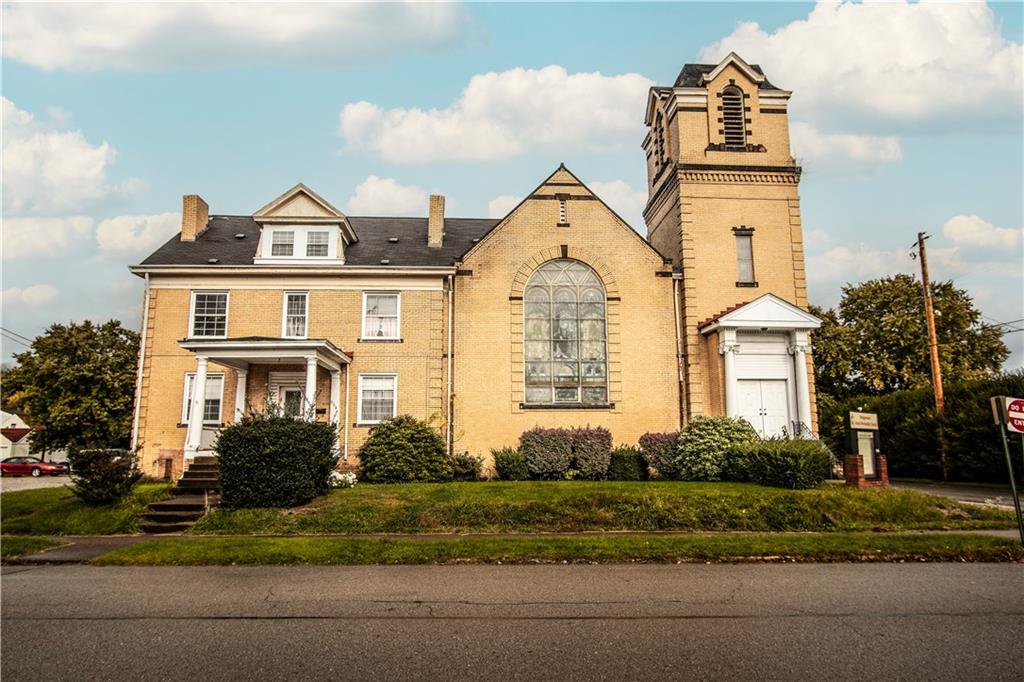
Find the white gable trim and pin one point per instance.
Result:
(333, 217)
(735, 59)
(765, 312)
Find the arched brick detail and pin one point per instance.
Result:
(522, 276)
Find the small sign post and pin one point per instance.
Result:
(1009, 416)
(864, 465)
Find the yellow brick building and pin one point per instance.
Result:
(558, 314)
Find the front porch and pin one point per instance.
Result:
(286, 374)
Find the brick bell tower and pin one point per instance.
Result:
(723, 204)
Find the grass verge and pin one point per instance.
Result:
(209, 551)
(56, 511)
(14, 547)
(532, 506)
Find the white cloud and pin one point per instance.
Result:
(624, 200)
(504, 115)
(499, 206)
(136, 235)
(835, 151)
(385, 196)
(39, 294)
(52, 171)
(163, 36)
(970, 230)
(892, 61)
(42, 236)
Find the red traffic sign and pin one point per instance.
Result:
(1015, 414)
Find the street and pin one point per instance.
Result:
(9, 484)
(765, 621)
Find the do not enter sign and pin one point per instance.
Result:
(1015, 415)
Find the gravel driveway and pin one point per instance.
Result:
(12, 483)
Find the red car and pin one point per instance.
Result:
(31, 466)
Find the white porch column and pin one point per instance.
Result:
(800, 349)
(193, 437)
(310, 395)
(728, 349)
(335, 415)
(348, 382)
(240, 388)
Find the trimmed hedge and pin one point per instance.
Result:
(661, 450)
(627, 464)
(510, 465)
(403, 450)
(466, 467)
(275, 461)
(553, 454)
(703, 445)
(100, 477)
(779, 463)
(913, 436)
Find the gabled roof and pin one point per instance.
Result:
(300, 189)
(15, 434)
(765, 312)
(697, 75)
(313, 209)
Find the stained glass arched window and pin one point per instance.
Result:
(566, 348)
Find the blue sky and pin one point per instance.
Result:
(906, 118)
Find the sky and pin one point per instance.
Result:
(905, 118)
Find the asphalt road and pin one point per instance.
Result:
(754, 621)
(11, 483)
(964, 493)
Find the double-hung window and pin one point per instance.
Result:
(378, 397)
(380, 315)
(295, 314)
(209, 313)
(282, 243)
(318, 244)
(744, 256)
(212, 398)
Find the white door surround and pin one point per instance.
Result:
(764, 345)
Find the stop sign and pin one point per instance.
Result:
(1015, 414)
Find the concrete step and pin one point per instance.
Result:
(187, 502)
(184, 516)
(159, 528)
(200, 476)
(212, 468)
(199, 484)
(205, 459)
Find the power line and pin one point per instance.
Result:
(13, 333)
(11, 338)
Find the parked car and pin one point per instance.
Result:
(31, 466)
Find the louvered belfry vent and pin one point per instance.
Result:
(732, 118)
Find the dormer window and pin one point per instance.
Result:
(317, 244)
(733, 124)
(282, 243)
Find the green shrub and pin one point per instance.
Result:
(403, 450)
(704, 443)
(510, 465)
(269, 460)
(913, 436)
(466, 467)
(783, 463)
(661, 450)
(591, 452)
(101, 477)
(627, 464)
(547, 452)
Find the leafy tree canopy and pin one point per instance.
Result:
(77, 382)
(877, 339)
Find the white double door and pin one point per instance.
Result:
(765, 404)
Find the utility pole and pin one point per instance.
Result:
(933, 339)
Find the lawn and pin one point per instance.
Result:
(214, 551)
(587, 506)
(14, 547)
(56, 511)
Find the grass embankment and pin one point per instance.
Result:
(212, 551)
(56, 511)
(14, 547)
(582, 506)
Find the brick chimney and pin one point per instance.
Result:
(195, 214)
(435, 222)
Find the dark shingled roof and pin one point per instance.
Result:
(219, 241)
(690, 76)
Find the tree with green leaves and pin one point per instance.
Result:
(877, 340)
(77, 384)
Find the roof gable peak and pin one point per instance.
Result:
(737, 61)
(299, 201)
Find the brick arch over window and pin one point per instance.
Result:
(516, 310)
(522, 276)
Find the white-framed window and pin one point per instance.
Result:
(294, 315)
(209, 316)
(381, 313)
(745, 256)
(212, 399)
(318, 244)
(378, 397)
(282, 243)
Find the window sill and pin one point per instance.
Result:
(747, 285)
(216, 425)
(376, 340)
(566, 406)
(366, 425)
